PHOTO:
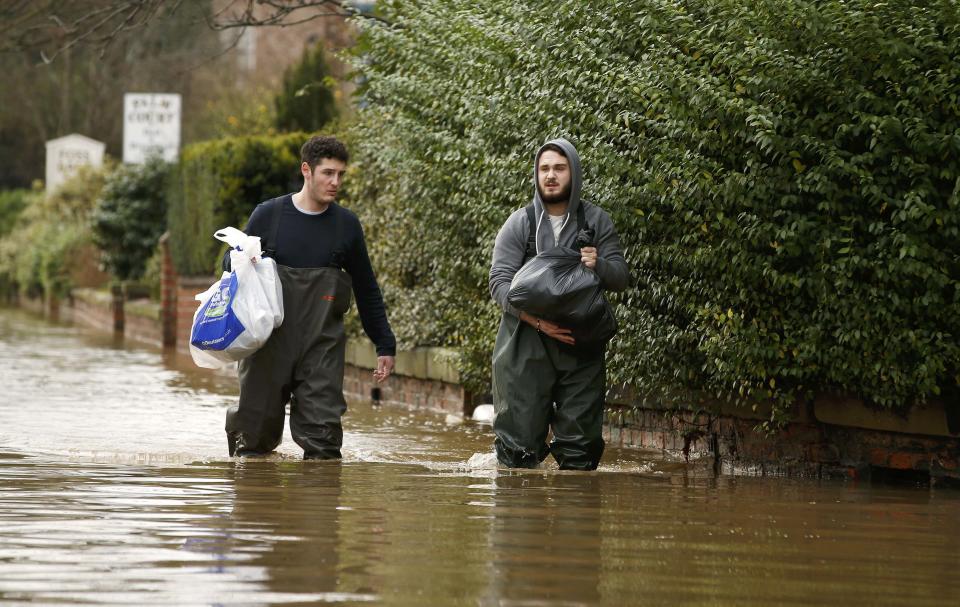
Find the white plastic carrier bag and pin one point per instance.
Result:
(238, 313)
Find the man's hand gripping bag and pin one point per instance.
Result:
(238, 313)
(555, 285)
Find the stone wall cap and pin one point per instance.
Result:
(92, 296)
(142, 307)
(422, 362)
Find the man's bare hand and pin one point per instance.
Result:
(556, 331)
(548, 328)
(588, 255)
(384, 368)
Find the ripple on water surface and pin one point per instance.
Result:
(115, 489)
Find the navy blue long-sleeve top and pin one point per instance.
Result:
(307, 240)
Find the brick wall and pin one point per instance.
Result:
(827, 438)
(411, 392)
(93, 309)
(142, 322)
(33, 304)
(139, 319)
(108, 312)
(186, 305)
(177, 303)
(807, 447)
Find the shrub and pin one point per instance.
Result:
(130, 216)
(50, 245)
(784, 176)
(217, 184)
(12, 203)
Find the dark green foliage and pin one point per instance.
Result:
(12, 203)
(130, 217)
(306, 102)
(217, 184)
(48, 246)
(784, 176)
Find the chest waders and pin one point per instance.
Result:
(539, 384)
(301, 363)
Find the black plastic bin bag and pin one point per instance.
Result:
(555, 285)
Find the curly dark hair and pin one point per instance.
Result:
(553, 148)
(321, 146)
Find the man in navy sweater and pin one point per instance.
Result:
(321, 257)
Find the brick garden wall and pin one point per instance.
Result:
(808, 447)
(93, 309)
(48, 307)
(142, 322)
(411, 392)
(827, 438)
(186, 305)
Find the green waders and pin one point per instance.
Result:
(302, 363)
(539, 383)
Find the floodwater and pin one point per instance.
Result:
(115, 489)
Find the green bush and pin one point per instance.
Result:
(50, 244)
(130, 216)
(306, 101)
(12, 203)
(784, 176)
(217, 184)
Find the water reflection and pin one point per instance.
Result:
(115, 489)
(545, 540)
(286, 517)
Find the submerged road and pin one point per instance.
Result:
(115, 488)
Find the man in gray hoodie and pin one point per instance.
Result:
(542, 380)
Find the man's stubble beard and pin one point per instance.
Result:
(562, 196)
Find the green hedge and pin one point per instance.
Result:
(217, 184)
(12, 203)
(49, 246)
(130, 216)
(784, 176)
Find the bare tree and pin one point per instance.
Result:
(82, 90)
(50, 27)
(254, 13)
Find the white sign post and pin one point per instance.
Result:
(151, 127)
(65, 155)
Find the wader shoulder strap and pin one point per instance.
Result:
(338, 257)
(531, 250)
(269, 247)
(276, 211)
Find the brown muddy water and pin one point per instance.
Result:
(115, 489)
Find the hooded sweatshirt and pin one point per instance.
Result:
(511, 243)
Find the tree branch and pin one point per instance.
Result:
(50, 27)
(280, 10)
